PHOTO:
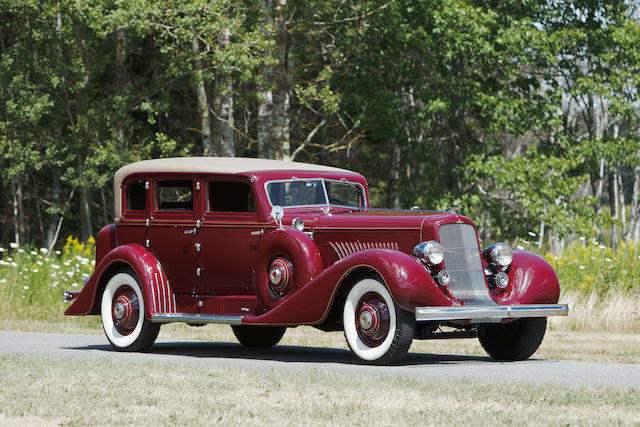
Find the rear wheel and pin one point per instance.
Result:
(123, 319)
(258, 336)
(376, 329)
(517, 340)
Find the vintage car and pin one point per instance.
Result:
(264, 245)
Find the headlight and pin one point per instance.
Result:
(499, 254)
(431, 252)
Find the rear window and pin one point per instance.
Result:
(136, 196)
(175, 195)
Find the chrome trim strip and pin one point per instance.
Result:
(484, 313)
(199, 319)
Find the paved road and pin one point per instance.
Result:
(234, 356)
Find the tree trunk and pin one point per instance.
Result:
(56, 202)
(622, 205)
(541, 235)
(203, 103)
(16, 216)
(122, 79)
(613, 202)
(634, 222)
(265, 109)
(224, 105)
(86, 228)
(393, 195)
(280, 135)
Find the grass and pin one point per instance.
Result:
(77, 392)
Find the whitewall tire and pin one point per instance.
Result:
(376, 329)
(123, 319)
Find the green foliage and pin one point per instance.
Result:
(32, 281)
(589, 267)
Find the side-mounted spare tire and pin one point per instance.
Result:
(286, 260)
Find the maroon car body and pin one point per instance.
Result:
(263, 245)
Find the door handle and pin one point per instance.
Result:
(257, 233)
(191, 231)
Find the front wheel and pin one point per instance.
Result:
(376, 329)
(123, 319)
(512, 341)
(258, 336)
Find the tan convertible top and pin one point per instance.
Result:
(228, 165)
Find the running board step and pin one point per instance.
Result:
(198, 319)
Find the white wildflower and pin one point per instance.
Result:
(602, 246)
(93, 262)
(13, 245)
(582, 238)
(1, 249)
(25, 287)
(55, 266)
(13, 264)
(3, 262)
(34, 253)
(9, 259)
(608, 259)
(84, 261)
(39, 262)
(582, 267)
(44, 250)
(532, 234)
(35, 270)
(3, 281)
(592, 257)
(520, 247)
(75, 285)
(21, 251)
(58, 252)
(70, 273)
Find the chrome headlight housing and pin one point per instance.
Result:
(498, 254)
(430, 252)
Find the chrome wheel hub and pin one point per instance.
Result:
(280, 276)
(372, 319)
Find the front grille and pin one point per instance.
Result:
(462, 261)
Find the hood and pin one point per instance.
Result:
(381, 219)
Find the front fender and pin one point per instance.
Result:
(157, 292)
(532, 280)
(406, 278)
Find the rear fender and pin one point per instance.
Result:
(406, 278)
(157, 292)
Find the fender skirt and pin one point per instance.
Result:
(157, 292)
(406, 278)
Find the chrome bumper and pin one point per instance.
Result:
(479, 314)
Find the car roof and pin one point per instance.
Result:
(227, 165)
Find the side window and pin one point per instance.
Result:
(174, 195)
(229, 196)
(136, 196)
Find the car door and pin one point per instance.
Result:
(230, 235)
(174, 230)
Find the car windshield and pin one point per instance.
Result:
(309, 192)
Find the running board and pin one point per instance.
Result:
(479, 314)
(197, 319)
